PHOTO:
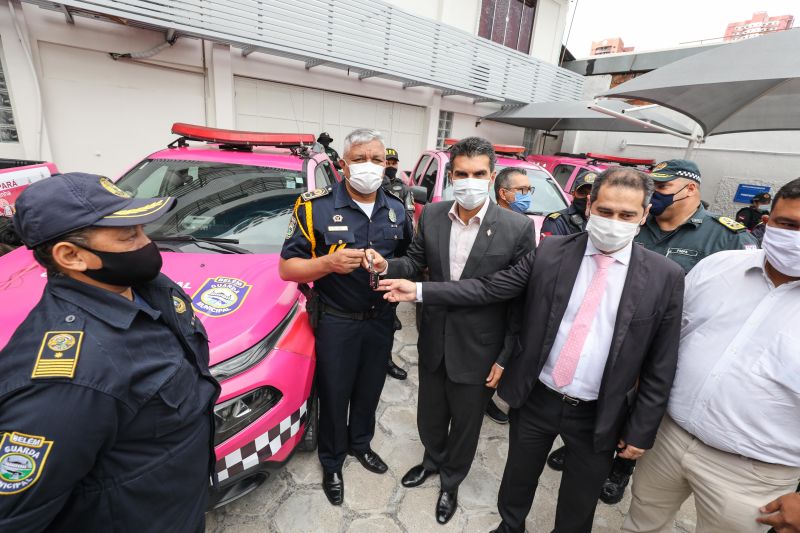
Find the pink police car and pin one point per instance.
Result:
(566, 168)
(430, 183)
(235, 193)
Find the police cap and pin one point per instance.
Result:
(391, 153)
(675, 168)
(587, 178)
(324, 137)
(64, 203)
(762, 197)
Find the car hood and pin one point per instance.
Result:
(239, 298)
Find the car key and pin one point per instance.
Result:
(374, 278)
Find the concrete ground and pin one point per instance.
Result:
(293, 501)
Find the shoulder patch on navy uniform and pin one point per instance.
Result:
(22, 459)
(180, 305)
(730, 224)
(316, 193)
(58, 355)
(554, 215)
(392, 194)
(292, 227)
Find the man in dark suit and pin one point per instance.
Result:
(462, 350)
(597, 353)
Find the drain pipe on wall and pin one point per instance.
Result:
(171, 39)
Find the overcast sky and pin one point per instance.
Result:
(656, 24)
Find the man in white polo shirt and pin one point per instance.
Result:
(732, 434)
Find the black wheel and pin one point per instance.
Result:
(309, 441)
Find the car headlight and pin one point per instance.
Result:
(241, 362)
(235, 414)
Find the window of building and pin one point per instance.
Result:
(8, 129)
(508, 22)
(445, 128)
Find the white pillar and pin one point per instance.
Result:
(220, 82)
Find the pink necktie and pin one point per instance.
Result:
(570, 354)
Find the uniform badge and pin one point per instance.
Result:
(731, 224)
(22, 459)
(113, 189)
(589, 177)
(220, 296)
(291, 228)
(338, 218)
(392, 216)
(180, 305)
(58, 355)
(316, 193)
(660, 166)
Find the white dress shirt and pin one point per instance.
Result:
(737, 387)
(462, 237)
(586, 383)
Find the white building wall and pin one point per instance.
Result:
(102, 115)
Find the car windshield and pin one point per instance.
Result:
(250, 205)
(546, 195)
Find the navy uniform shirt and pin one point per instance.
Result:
(402, 191)
(750, 216)
(106, 412)
(564, 222)
(326, 220)
(700, 236)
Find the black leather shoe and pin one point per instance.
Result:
(416, 476)
(333, 485)
(495, 413)
(556, 459)
(396, 372)
(446, 506)
(614, 487)
(370, 460)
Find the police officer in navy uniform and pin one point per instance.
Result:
(325, 243)
(325, 140)
(751, 215)
(573, 218)
(392, 184)
(106, 400)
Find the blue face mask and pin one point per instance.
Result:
(521, 203)
(660, 202)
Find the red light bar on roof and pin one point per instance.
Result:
(499, 148)
(242, 138)
(621, 160)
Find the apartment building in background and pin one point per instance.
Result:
(759, 24)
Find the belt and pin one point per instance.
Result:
(365, 315)
(569, 400)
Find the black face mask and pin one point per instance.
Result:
(390, 173)
(580, 205)
(126, 269)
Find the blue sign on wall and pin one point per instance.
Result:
(745, 193)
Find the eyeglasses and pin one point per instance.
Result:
(523, 190)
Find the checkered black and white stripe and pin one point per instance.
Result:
(687, 174)
(263, 447)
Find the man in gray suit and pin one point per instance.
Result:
(462, 350)
(597, 352)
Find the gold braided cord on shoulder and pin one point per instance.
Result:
(308, 232)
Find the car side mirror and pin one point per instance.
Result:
(420, 194)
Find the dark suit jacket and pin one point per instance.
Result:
(644, 350)
(470, 339)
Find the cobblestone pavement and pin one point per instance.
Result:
(293, 501)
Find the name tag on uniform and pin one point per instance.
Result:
(338, 228)
(682, 251)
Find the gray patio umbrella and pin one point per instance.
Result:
(576, 115)
(751, 85)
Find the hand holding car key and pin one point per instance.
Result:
(374, 277)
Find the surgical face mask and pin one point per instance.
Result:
(661, 202)
(580, 205)
(610, 235)
(782, 247)
(127, 269)
(390, 172)
(365, 178)
(521, 203)
(470, 192)
(764, 208)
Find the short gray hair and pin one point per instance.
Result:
(624, 177)
(504, 178)
(362, 136)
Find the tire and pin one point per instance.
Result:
(309, 441)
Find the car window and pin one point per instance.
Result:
(547, 196)
(322, 177)
(562, 174)
(429, 179)
(421, 166)
(245, 203)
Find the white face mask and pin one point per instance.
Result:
(470, 192)
(610, 235)
(366, 178)
(782, 247)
